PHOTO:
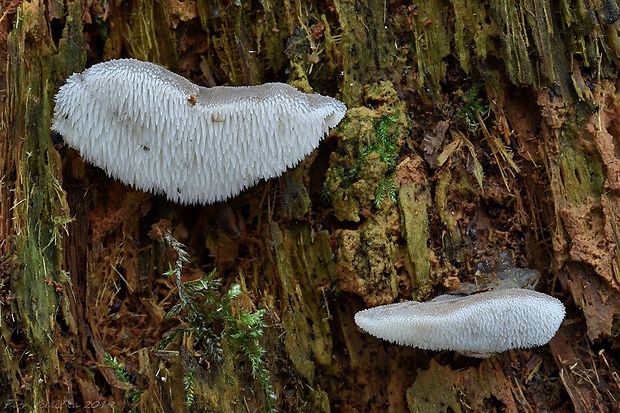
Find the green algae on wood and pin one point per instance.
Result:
(441, 388)
(366, 260)
(71, 57)
(303, 264)
(40, 207)
(230, 32)
(40, 210)
(365, 46)
(431, 46)
(582, 173)
(148, 39)
(474, 33)
(414, 202)
(454, 239)
(295, 198)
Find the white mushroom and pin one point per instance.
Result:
(157, 131)
(479, 324)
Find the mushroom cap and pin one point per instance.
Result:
(488, 322)
(157, 131)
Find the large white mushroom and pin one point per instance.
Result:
(477, 325)
(157, 131)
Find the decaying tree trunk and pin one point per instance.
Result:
(474, 128)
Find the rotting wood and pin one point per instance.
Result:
(541, 84)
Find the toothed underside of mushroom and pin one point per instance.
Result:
(157, 131)
(479, 324)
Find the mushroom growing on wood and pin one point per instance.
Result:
(157, 131)
(477, 325)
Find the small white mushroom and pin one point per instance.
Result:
(157, 131)
(480, 324)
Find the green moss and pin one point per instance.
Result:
(119, 369)
(387, 140)
(361, 175)
(474, 107)
(189, 385)
(385, 189)
(211, 319)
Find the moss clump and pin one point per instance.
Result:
(211, 318)
(361, 176)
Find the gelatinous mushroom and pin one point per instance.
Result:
(477, 325)
(157, 131)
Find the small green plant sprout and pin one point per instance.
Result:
(119, 369)
(387, 141)
(385, 144)
(132, 394)
(387, 148)
(385, 189)
(474, 112)
(475, 109)
(204, 308)
(188, 385)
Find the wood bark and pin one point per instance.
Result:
(475, 127)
